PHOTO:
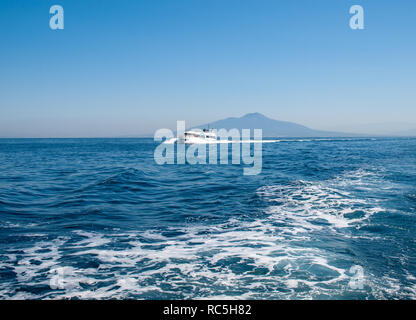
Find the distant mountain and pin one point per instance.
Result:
(405, 133)
(270, 127)
(391, 129)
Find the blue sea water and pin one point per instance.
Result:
(99, 219)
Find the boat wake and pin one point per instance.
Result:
(289, 252)
(175, 140)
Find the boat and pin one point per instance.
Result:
(198, 136)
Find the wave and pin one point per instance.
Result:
(174, 140)
(315, 205)
(280, 255)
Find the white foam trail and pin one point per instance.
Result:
(174, 140)
(271, 257)
(170, 141)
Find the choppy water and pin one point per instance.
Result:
(97, 218)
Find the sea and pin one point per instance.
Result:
(100, 219)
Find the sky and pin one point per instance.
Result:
(121, 68)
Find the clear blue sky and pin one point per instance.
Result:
(130, 67)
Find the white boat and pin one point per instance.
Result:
(198, 136)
